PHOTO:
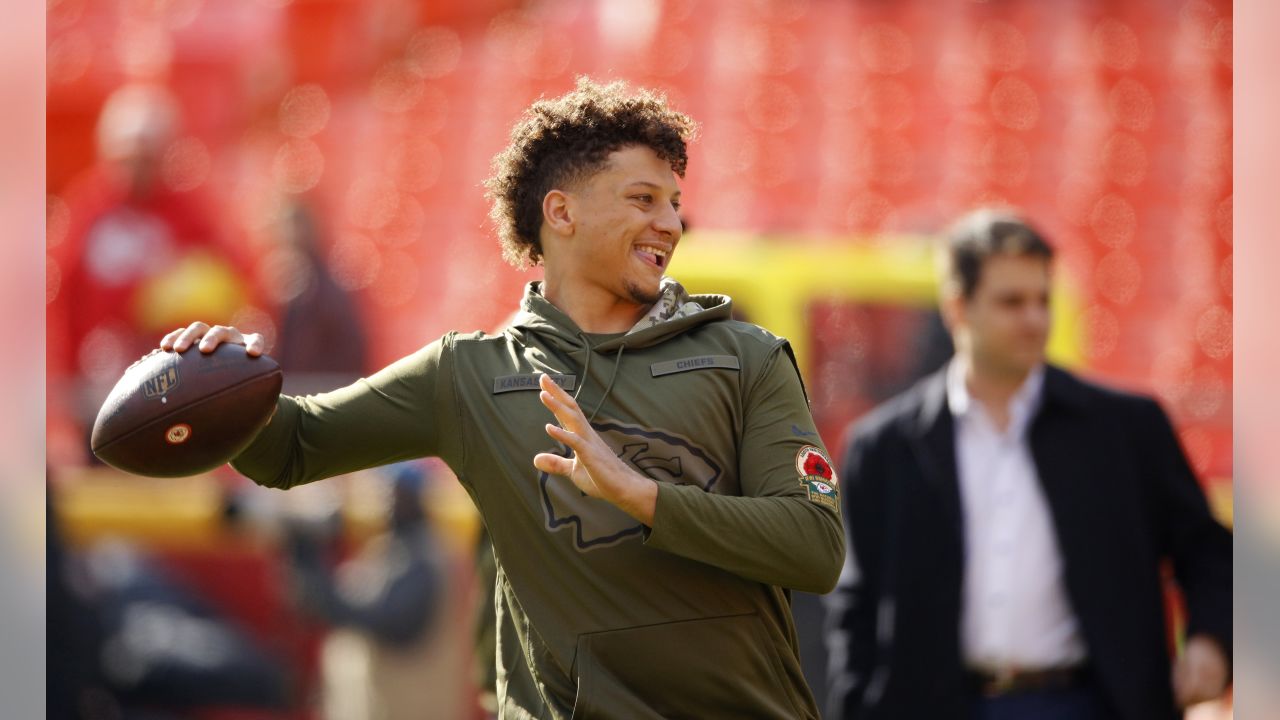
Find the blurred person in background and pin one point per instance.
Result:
(128, 640)
(313, 309)
(76, 687)
(141, 254)
(1008, 522)
(383, 605)
(645, 545)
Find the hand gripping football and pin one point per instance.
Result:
(175, 414)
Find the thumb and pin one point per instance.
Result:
(554, 464)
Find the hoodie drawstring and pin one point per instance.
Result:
(617, 363)
(586, 367)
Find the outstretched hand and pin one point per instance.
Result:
(594, 468)
(210, 337)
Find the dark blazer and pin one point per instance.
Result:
(1123, 499)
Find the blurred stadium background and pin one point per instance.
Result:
(838, 137)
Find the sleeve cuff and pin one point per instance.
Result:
(666, 512)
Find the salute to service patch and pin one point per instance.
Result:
(817, 477)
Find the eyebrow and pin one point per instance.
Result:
(655, 186)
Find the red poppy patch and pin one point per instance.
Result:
(812, 463)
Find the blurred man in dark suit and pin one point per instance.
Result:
(1008, 522)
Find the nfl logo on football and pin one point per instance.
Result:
(161, 384)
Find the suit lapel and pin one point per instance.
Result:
(1057, 441)
(933, 441)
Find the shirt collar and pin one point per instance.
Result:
(1021, 406)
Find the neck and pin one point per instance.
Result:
(993, 387)
(592, 308)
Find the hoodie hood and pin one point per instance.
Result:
(675, 312)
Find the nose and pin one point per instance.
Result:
(1037, 316)
(668, 223)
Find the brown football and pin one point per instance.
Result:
(175, 414)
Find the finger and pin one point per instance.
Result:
(567, 413)
(219, 334)
(553, 464)
(553, 387)
(166, 342)
(192, 333)
(212, 339)
(254, 344)
(568, 438)
(562, 405)
(554, 402)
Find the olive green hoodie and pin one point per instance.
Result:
(688, 618)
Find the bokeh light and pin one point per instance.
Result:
(371, 202)
(304, 111)
(1014, 104)
(396, 87)
(406, 226)
(52, 279)
(185, 165)
(1113, 221)
(256, 320)
(1213, 332)
(434, 52)
(1118, 277)
(69, 57)
(354, 261)
(1124, 160)
(1132, 105)
(298, 165)
(1102, 331)
(1115, 45)
(57, 219)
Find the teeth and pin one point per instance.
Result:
(656, 251)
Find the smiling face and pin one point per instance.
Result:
(622, 226)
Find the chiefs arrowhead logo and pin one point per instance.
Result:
(662, 456)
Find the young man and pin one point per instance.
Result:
(647, 537)
(1008, 522)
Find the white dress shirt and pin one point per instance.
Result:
(1016, 614)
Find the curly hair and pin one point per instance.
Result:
(565, 140)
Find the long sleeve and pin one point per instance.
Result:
(779, 531)
(1201, 548)
(399, 413)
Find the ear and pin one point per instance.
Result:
(557, 212)
(952, 306)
